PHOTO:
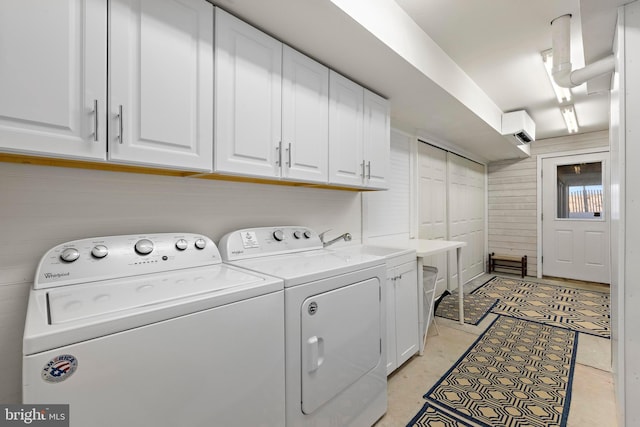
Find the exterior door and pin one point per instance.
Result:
(575, 217)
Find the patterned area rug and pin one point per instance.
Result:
(476, 307)
(430, 416)
(518, 373)
(576, 309)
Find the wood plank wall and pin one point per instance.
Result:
(512, 195)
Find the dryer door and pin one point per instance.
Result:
(341, 340)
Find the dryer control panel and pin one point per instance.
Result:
(102, 258)
(265, 241)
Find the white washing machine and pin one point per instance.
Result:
(335, 327)
(154, 330)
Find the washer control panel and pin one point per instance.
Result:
(264, 241)
(102, 258)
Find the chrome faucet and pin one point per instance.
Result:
(346, 237)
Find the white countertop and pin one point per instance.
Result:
(423, 247)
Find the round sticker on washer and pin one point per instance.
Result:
(59, 368)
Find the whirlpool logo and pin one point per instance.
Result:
(55, 275)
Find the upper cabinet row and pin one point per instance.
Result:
(139, 89)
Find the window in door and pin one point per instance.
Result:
(580, 191)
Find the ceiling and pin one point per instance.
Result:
(485, 60)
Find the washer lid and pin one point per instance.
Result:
(303, 267)
(78, 302)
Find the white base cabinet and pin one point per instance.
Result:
(402, 311)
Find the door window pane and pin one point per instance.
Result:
(580, 193)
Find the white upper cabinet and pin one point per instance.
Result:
(161, 83)
(305, 117)
(346, 105)
(359, 135)
(248, 101)
(53, 77)
(377, 140)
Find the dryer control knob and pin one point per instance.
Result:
(181, 245)
(278, 235)
(297, 234)
(200, 243)
(307, 234)
(144, 246)
(99, 251)
(69, 255)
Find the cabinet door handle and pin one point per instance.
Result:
(362, 165)
(279, 150)
(289, 152)
(95, 120)
(369, 170)
(120, 125)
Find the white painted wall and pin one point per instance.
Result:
(388, 213)
(43, 206)
(625, 197)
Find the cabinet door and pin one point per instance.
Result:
(406, 311)
(377, 137)
(248, 87)
(53, 75)
(392, 362)
(346, 98)
(305, 117)
(161, 80)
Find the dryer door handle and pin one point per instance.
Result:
(315, 353)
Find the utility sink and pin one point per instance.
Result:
(403, 254)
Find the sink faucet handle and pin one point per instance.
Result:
(321, 235)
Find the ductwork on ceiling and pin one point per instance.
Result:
(561, 45)
(520, 129)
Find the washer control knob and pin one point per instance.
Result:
(181, 245)
(307, 234)
(144, 246)
(297, 234)
(99, 251)
(69, 255)
(200, 243)
(278, 235)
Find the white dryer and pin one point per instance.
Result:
(335, 327)
(154, 330)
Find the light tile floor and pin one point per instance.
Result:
(592, 401)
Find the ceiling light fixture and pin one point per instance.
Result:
(562, 93)
(570, 119)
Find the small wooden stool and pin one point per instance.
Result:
(508, 262)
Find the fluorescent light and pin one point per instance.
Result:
(570, 119)
(562, 93)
